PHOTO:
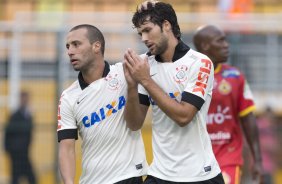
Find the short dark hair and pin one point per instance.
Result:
(93, 34)
(157, 13)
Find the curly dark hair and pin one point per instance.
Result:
(157, 13)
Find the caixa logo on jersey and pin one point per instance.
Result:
(104, 112)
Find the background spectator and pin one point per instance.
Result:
(17, 141)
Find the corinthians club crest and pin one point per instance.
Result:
(180, 74)
(113, 82)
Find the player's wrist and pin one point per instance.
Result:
(132, 87)
(146, 82)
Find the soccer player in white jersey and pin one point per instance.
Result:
(177, 82)
(93, 106)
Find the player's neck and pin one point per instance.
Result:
(215, 65)
(94, 72)
(167, 56)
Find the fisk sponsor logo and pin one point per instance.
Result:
(104, 112)
(203, 76)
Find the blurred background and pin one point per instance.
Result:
(33, 58)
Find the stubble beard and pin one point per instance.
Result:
(161, 47)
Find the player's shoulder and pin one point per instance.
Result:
(116, 67)
(146, 55)
(197, 60)
(150, 58)
(196, 55)
(71, 90)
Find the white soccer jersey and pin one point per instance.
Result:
(182, 154)
(111, 152)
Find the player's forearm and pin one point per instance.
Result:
(253, 141)
(67, 164)
(67, 180)
(67, 168)
(134, 115)
(255, 146)
(252, 136)
(173, 109)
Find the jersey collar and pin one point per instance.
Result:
(180, 50)
(83, 84)
(218, 68)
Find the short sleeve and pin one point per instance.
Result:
(246, 100)
(200, 84)
(67, 127)
(143, 96)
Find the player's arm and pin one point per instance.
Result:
(67, 134)
(250, 129)
(135, 112)
(251, 133)
(181, 112)
(67, 160)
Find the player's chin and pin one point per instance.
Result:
(154, 51)
(224, 57)
(76, 68)
(223, 60)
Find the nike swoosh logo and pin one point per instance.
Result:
(153, 74)
(79, 101)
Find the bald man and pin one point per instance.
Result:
(230, 115)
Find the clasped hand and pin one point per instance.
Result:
(136, 69)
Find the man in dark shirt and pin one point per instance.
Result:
(17, 141)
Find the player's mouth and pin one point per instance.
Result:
(74, 61)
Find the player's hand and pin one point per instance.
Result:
(258, 173)
(130, 81)
(146, 4)
(137, 67)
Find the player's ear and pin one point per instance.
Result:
(205, 46)
(96, 46)
(166, 25)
